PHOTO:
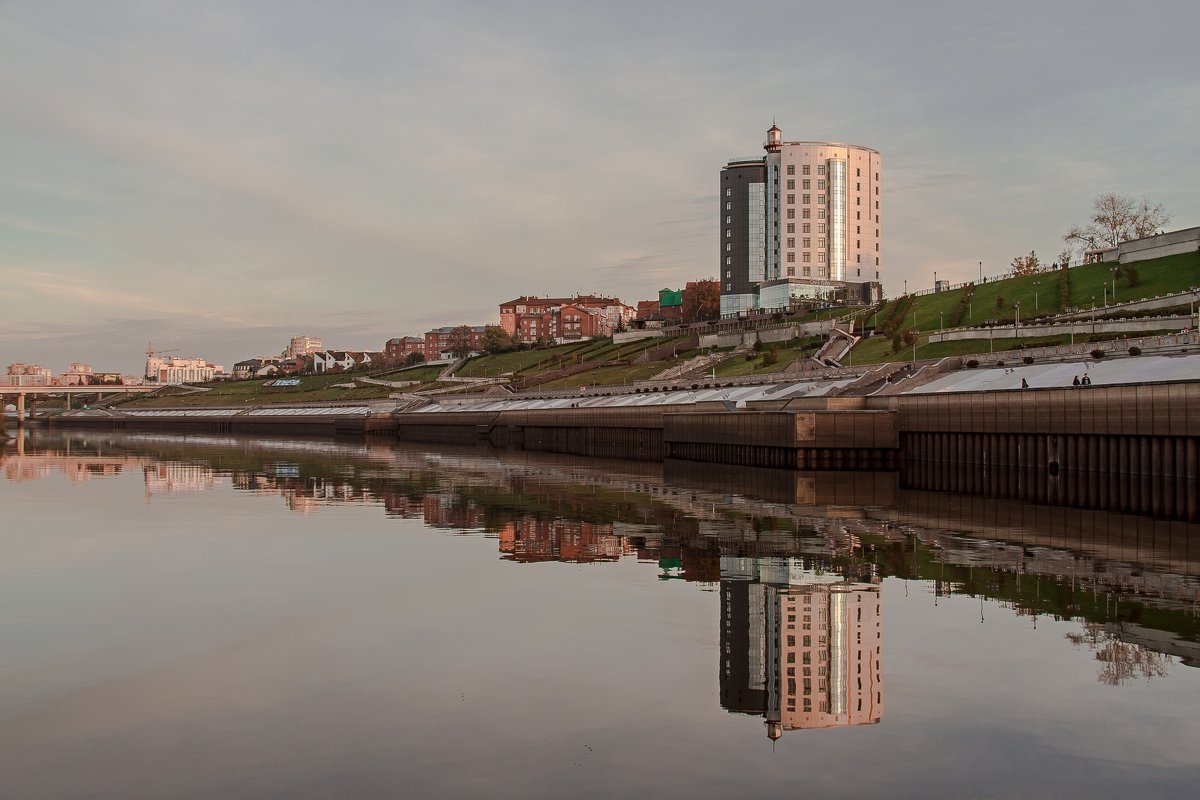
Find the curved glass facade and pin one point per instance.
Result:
(837, 220)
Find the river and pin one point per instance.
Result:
(198, 617)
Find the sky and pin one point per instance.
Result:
(217, 177)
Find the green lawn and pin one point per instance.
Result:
(1158, 276)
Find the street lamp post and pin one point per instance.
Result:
(1036, 284)
(981, 272)
(1017, 320)
(915, 333)
(941, 321)
(1093, 315)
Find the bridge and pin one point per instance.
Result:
(35, 392)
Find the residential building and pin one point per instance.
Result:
(78, 374)
(176, 370)
(534, 319)
(28, 375)
(342, 360)
(303, 346)
(402, 347)
(801, 223)
(256, 368)
(440, 343)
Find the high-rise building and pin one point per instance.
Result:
(802, 222)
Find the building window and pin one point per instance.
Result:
(858, 273)
(791, 213)
(820, 199)
(877, 247)
(728, 233)
(821, 185)
(858, 187)
(858, 201)
(820, 169)
(807, 184)
(807, 241)
(791, 272)
(728, 219)
(728, 273)
(820, 213)
(791, 169)
(821, 242)
(877, 176)
(791, 241)
(877, 271)
(807, 257)
(791, 198)
(805, 169)
(728, 259)
(791, 257)
(876, 205)
(807, 271)
(729, 206)
(858, 215)
(858, 243)
(728, 246)
(858, 229)
(857, 172)
(791, 227)
(808, 227)
(729, 192)
(858, 259)
(792, 184)
(806, 214)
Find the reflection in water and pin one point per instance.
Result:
(801, 647)
(780, 544)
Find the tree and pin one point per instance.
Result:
(1117, 218)
(701, 300)
(414, 358)
(460, 342)
(495, 340)
(1026, 265)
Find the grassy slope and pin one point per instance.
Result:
(1158, 276)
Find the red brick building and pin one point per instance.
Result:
(401, 347)
(441, 342)
(534, 319)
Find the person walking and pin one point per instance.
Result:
(1024, 383)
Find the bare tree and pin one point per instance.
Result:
(460, 342)
(1120, 661)
(1026, 265)
(1117, 218)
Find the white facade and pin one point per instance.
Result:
(180, 370)
(303, 346)
(28, 375)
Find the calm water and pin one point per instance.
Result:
(208, 617)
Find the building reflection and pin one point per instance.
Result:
(801, 647)
(778, 543)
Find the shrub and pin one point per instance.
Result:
(1097, 353)
(1135, 351)
(1000, 301)
(1028, 359)
(972, 364)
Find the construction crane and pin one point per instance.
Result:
(151, 352)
